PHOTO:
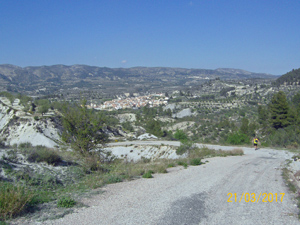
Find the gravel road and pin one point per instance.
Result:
(197, 195)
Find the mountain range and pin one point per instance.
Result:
(31, 78)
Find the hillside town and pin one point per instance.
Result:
(153, 100)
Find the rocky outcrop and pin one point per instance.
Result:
(136, 152)
(17, 127)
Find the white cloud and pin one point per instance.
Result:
(124, 61)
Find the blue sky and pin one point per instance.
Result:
(254, 35)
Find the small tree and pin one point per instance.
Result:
(279, 110)
(43, 105)
(153, 127)
(82, 128)
(43, 109)
(181, 135)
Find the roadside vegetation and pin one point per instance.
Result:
(291, 181)
(62, 177)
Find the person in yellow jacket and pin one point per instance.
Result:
(255, 142)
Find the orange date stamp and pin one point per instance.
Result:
(252, 197)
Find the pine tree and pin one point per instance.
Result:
(279, 111)
(263, 115)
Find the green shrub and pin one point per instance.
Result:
(171, 165)
(181, 163)
(112, 178)
(154, 127)
(25, 145)
(184, 147)
(43, 105)
(43, 154)
(148, 174)
(265, 144)
(181, 135)
(66, 202)
(48, 180)
(127, 126)
(30, 178)
(284, 137)
(13, 200)
(237, 138)
(196, 162)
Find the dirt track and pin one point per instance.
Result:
(197, 195)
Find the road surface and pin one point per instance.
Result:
(198, 195)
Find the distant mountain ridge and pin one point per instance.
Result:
(62, 76)
(60, 72)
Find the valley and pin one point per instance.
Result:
(65, 142)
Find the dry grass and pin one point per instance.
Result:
(131, 170)
(236, 151)
(13, 200)
(205, 152)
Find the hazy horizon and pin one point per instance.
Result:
(256, 36)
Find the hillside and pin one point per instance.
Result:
(290, 78)
(50, 79)
(217, 112)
